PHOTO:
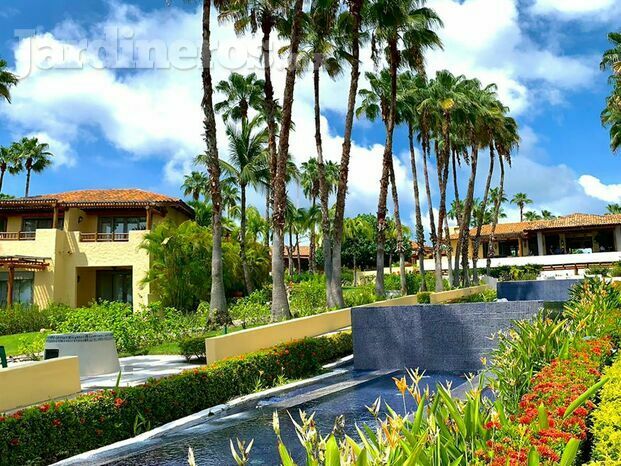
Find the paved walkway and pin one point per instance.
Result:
(137, 370)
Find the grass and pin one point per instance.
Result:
(12, 343)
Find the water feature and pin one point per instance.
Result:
(210, 439)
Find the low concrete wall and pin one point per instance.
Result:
(545, 290)
(449, 337)
(38, 382)
(453, 295)
(254, 339)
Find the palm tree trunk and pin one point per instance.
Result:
(323, 196)
(464, 227)
(2, 172)
(28, 171)
(290, 251)
(455, 277)
(432, 222)
(217, 303)
(420, 232)
(297, 245)
(266, 239)
(400, 248)
(477, 236)
(312, 241)
(280, 302)
(242, 242)
(355, 10)
(449, 250)
(355, 274)
(492, 237)
(386, 164)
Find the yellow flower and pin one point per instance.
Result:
(401, 384)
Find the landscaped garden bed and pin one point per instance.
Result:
(56, 430)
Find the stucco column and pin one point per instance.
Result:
(540, 245)
(618, 238)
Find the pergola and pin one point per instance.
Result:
(11, 263)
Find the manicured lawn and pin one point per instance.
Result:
(12, 343)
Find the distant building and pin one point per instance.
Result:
(80, 246)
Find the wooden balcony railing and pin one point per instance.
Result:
(17, 236)
(103, 237)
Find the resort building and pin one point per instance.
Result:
(80, 246)
(572, 240)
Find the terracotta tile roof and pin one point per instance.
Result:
(304, 252)
(99, 198)
(568, 221)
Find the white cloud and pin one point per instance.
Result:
(595, 188)
(571, 7)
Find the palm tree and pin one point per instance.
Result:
(256, 224)
(407, 24)
(613, 209)
(361, 231)
(8, 159)
(230, 196)
(354, 36)
(611, 116)
(32, 156)
(7, 80)
(217, 304)
(547, 215)
(612, 57)
(531, 216)
(521, 200)
(506, 141)
(246, 167)
(195, 184)
(320, 50)
(241, 93)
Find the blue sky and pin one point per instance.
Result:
(112, 122)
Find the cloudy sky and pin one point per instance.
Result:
(113, 86)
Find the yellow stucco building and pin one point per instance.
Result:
(80, 246)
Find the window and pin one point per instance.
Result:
(22, 287)
(40, 223)
(121, 224)
(114, 285)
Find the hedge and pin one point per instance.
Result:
(541, 420)
(50, 432)
(607, 421)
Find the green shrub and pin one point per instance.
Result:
(615, 271)
(193, 347)
(423, 297)
(135, 331)
(486, 296)
(598, 270)
(53, 431)
(252, 310)
(359, 296)
(607, 419)
(308, 297)
(23, 319)
(515, 272)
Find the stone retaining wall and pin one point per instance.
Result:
(546, 290)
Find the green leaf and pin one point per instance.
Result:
(285, 457)
(333, 456)
(570, 452)
(544, 422)
(533, 457)
(585, 396)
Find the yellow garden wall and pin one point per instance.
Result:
(38, 382)
(452, 295)
(254, 339)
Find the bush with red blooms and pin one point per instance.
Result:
(539, 421)
(52, 431)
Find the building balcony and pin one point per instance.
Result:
(103, 237)
(17, 236)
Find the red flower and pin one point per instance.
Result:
(44, 408)
(14, 442)
(118, 402)
(56, 423)
(2, 418)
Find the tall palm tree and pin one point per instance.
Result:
(353, 37)
(320, 51)
(507, 139)
(8, 160)
(613, 209)
(404, 29)
(32, 156)
(195, 184)
(611, 116)
(521, 200)
(611, 60)
(241, 93)
(547, 215)
(246, 167)
(217, 304)
(411, 86)
(7, 80)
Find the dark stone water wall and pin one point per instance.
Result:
(442, 337)
(545, 290)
